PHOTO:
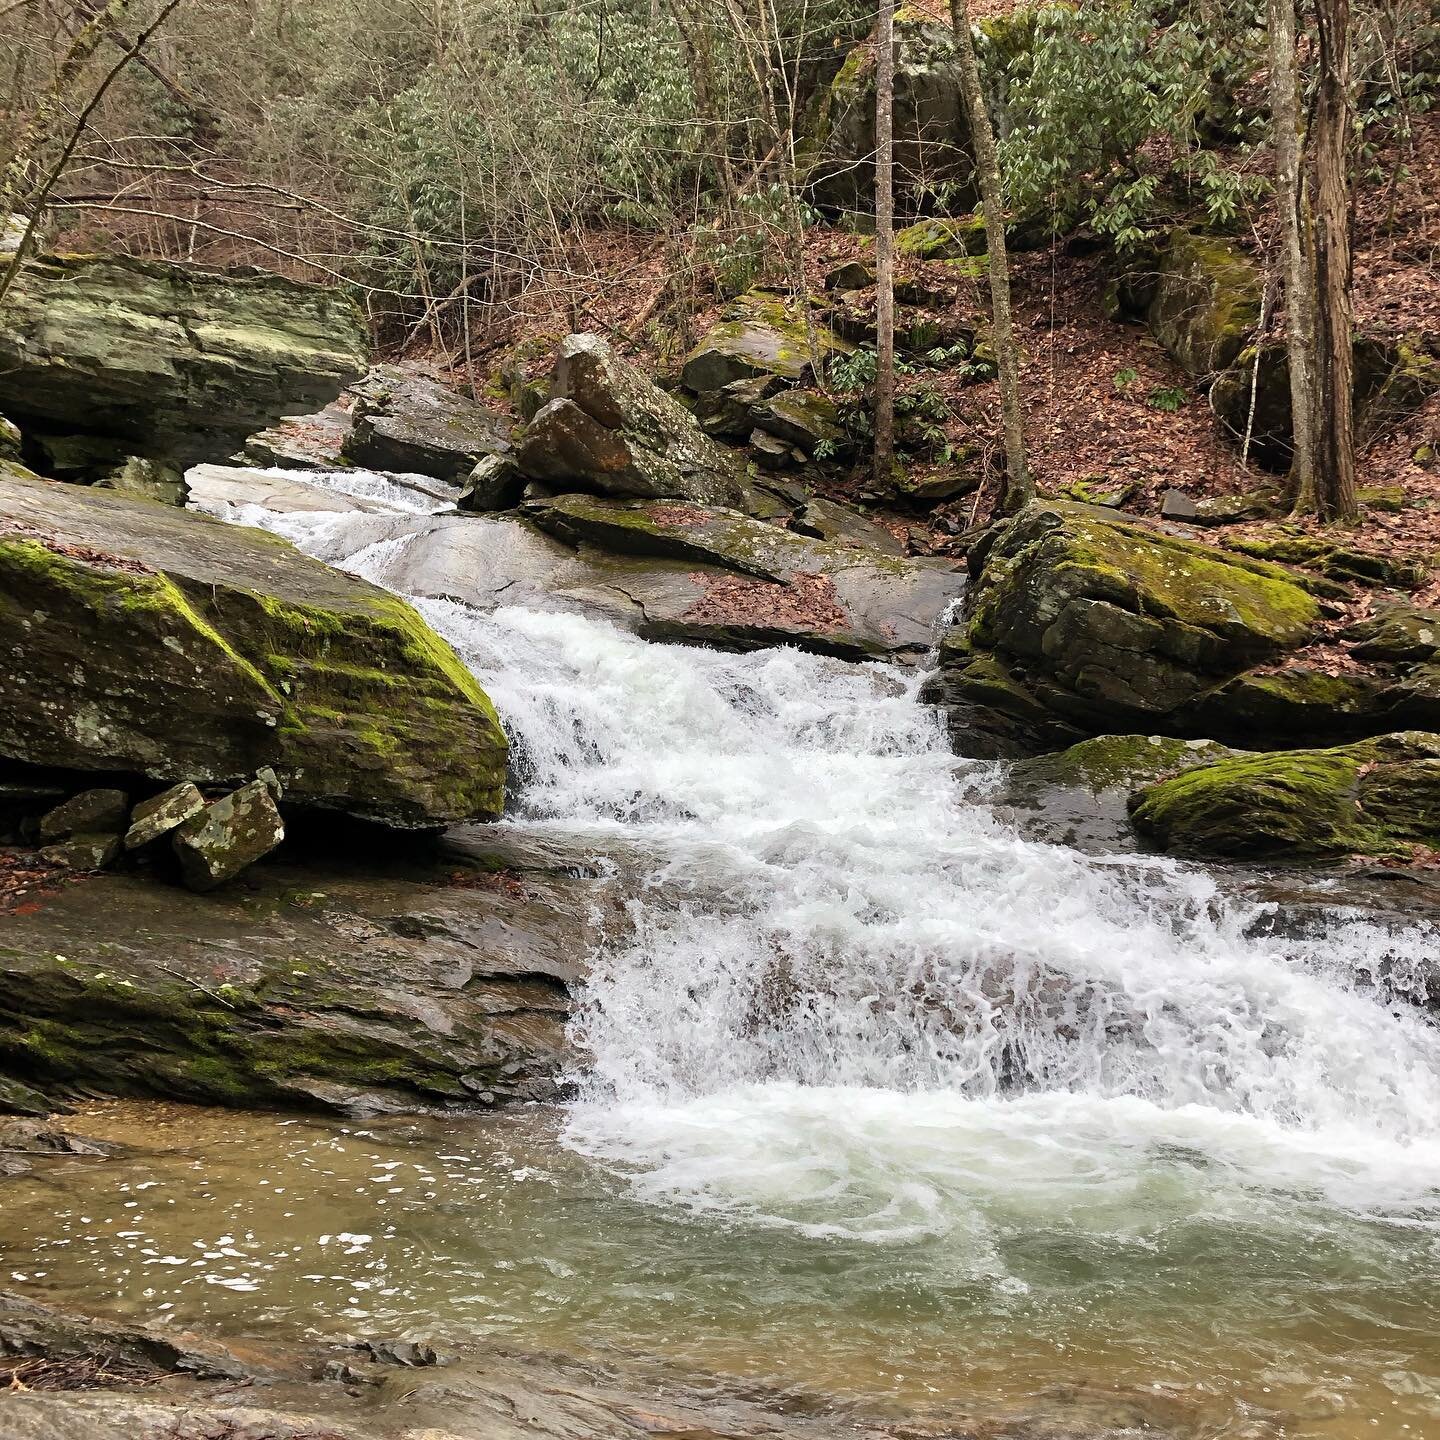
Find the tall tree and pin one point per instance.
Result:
(1293, 201)
(884, 245)
(1334, 324)
(1019, 484)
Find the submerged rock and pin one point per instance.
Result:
(149, 641)
(410, 423)
(180, 363)
(1376, 797)
(216, 843)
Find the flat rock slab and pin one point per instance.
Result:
(418, 985)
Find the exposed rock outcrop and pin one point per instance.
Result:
(410, 423)
(177, 363)
(1078, 624)
(1205, 301)
(408, 986)
(611, 430)
(148, 641)
(1379, 797)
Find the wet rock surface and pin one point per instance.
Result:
(401, 986)
(98, 1379)
(1079, 623)
(409, 422)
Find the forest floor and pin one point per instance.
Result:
(1090, 383)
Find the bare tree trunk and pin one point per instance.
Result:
(1334, 323)
(18, 180)
(1299, 275)
(1019, 484)
(884, 246)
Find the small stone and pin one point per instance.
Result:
(91, 812)
(224, 838)
(158, 816)
(83, 852)
(272, 780)
(1177, 505)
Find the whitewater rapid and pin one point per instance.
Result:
(848, 999)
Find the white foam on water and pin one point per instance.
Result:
(852, 1002)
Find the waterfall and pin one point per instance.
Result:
(850, 999)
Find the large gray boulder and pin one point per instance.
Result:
(932, 137)
(409, 422)
(179, 363)
(610, 429)
(142, 640)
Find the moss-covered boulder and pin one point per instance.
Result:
(143, 640)
(178, 362)
(1080, 796)
(1205, 301)
(409, 422)
(1078, 623)
(942, 239)
(1379, 796)
(611, 429)
(931, 135)
(761, 335)
(1395, 634)
(1291, 545)
(418, 982)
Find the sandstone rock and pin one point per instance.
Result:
(1290, 545)
(143, 479)
(408, 422)
(612, 430)
(827, 520)
(162, 813)
(781, 587)
(83, 852)
(180, 363)
(942, 239)
(931, 136)
(218, 842)
(1078, 623)
(762, 334)
(1080, 796)
(9, 439)
(95, 812)
(1395, 634)
(312, 985)
(1376, 797)
(143, 640)
(852, 275)
(303, 442)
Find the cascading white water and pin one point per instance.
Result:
(851, 1001)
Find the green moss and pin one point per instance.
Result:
(1374, 797)
(940, 239)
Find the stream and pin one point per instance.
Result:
(883, 1100)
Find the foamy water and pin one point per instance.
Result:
(853, 1003)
